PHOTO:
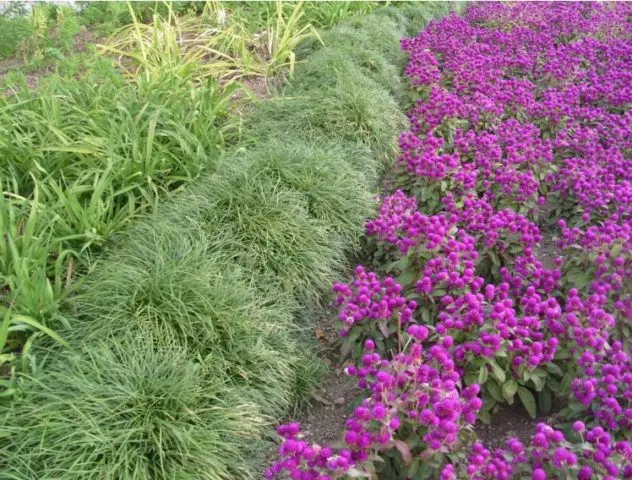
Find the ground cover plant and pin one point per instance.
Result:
(121, 126)
(184, 314)
(519, 133)
(96, 146)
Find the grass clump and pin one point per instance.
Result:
(336, 196)
(154, 135)
(135, 409)
(81, 160)
(419, 14)
(265, 228)
(383, 33)
(350, 109)
(165, 280)
(338, 62)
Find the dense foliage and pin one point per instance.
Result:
(521, 131)
(183, 318)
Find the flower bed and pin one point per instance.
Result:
(522, 109)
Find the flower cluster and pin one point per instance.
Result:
(522, 114)
(401, 225)
(535, 102)
(550, 455)
(300, 460)
(415, 393)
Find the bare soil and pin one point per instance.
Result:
(509, 421)
(324, 422)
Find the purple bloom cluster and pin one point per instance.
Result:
(550, 455)
(302, 461)
(372, 305)
(418, 388)
(521, 107)
(401, 225)
(534, 101)
(416, 392)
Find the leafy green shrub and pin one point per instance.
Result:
(156, 134)
(135, 409)
(13, 31)
(337, 196)
(30, 255)
(99, 149)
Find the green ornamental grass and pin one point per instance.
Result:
(265, 228)
(135, 409)
(352, 109)
(419, 14)
(337, 63)
(166, 280)
(337, 196)
(383, 33)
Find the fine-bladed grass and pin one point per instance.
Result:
(138, 409)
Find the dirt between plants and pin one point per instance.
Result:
(334, 401)
(509, 421)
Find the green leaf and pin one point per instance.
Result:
(553, 384)
(615, 250)
(578, 278)
(494, 390)
(470, 378)
(553, 368)
(414, 468)
(565, 384)
(485, 417)
(545, 400)
(407, 278)
(482, 375)
(538, 382)
(540, 373)
(527, 399)
(498, 372)
(509, 390)
(425, 316)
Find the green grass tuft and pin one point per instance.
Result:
(420, 13)
(265, 228)
(136, 409)
(168, 281)
(351, 109)
(334, 64)
(383, 33)
(337, 196)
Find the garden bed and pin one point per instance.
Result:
(499, 290)
(179, 288)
